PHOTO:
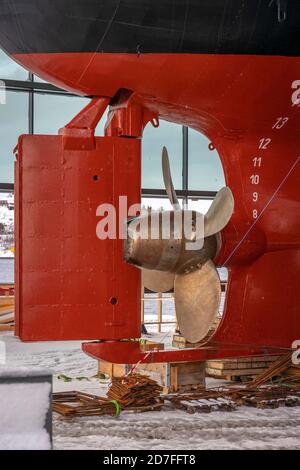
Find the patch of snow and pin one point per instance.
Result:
(23, 410)
(25, 441)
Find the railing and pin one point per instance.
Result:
(159, 298)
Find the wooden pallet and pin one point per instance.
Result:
(228, 399)
(272, 396)
(272, 403)
(239, 368)
(204, 402)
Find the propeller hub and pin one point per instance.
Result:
(154, 247)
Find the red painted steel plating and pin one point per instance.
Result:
(243, 104)
(80, 132)
(70, 284)
(129, 352)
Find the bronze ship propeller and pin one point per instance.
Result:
(176, 249)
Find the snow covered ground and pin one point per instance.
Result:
(246, 428)
(24, 405)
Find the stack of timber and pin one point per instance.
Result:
(281, 371)
(7, 320)
(239, 369)
(173, 377)
(179, 342)
(81, 404)
(135, 391)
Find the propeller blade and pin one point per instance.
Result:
(157, 281)
(168, 179)
(219, 212)
(197, 300)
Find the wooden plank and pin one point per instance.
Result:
(157, 372)
(222, 365)
(6, 310)
(187, 373)
(112, 370)
(7, 327)
(179, 338)
(7, 300)
(184, 345)
(153, 367)
(5, 320)
(264, 358)
(242, 362)
(232, 372)
(174, 378)
(152, 345)
(236, 365)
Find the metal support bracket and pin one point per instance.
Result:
(80, 132)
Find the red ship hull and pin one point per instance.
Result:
(236, 84)
(244, 105)
(201, 90)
